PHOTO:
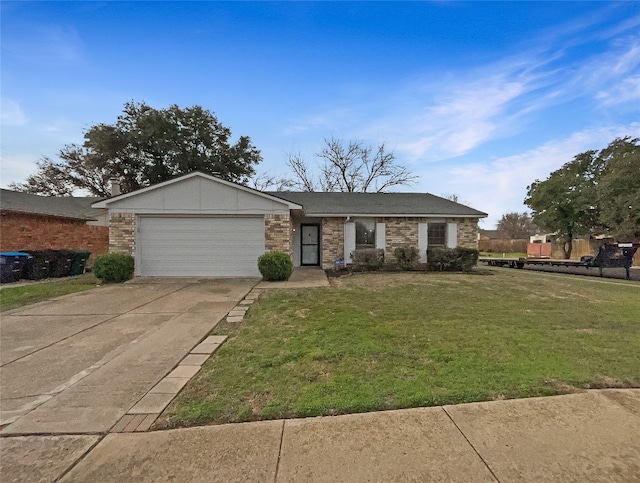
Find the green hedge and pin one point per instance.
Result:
(452, 259)
(407, 257)
(367, 258)
(275, 266)
(113, 267)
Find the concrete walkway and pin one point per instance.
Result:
(586, 437)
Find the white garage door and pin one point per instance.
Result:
(200, 246)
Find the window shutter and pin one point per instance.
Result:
(380, 236)
(423, 240)
(349, 240)
(452, 235)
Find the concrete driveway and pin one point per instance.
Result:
(78, 363)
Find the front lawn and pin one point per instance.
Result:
(12, 297)
(396, 340)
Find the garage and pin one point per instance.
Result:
(192, 246)
(198, 225)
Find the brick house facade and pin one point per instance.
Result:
(214, 209)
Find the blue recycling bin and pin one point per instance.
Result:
(11, 266)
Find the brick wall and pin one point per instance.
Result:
(122, 233)
(22, 231)
(468, 233)
(399, 232)
(278, 234)
(332, 244)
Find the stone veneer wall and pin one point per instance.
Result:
(399, 232)
(278, 234)
(122, 233)
(332, 244)
(468, 233)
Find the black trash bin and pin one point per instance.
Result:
(12, 264)
(79, 262)
(63, 261)
(39, 265)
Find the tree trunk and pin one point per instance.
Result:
(567, 246)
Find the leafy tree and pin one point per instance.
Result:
(565, 203)
(146, 146)
(516, 225)
(352, 167)
(618, 189)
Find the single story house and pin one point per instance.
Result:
(200, 225)
(33, 222)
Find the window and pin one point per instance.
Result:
(436, 234)
(365, 234)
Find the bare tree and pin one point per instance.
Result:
(351, 167)
(264, 182)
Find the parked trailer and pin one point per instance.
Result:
(610, 255)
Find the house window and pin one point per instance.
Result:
(365, 234)
(436, 234)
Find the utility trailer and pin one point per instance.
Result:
(610, 255)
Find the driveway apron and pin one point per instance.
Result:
(78, 363)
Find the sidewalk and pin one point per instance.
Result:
(590, 436)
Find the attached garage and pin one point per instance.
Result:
(193, 246)
(198, 226)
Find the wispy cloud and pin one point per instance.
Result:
(499, 186)
(11, 113)
(45, 45)
(450, 114)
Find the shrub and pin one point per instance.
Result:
(406, 257)
(113, 267)
(368, 258)
(452, 259)
(275, 266)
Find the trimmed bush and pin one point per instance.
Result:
(407, 257)
(113, 267)
(368, 258)
(275, 266)
(452, 259)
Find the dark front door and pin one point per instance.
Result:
(310, 244)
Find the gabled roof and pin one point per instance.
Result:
(377, 204)
(63, 206)
(196, 174)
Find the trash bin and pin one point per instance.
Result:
(12, 264)
(62, 263)
(38, 266)
(79, 263)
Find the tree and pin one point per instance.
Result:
(516, 225)
(146, 146)
(352, 167)
(618, 189)
(565, 203)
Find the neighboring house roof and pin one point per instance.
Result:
(63, 206)
(377, 204)
(490, 234)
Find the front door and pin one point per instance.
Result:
(310, 244)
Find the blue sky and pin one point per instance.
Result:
(479, 99)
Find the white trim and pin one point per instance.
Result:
(423, 241)
(452, 235)
(380, 236)
(105, 203)
(349, 240)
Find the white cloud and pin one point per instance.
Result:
(11, 113)
(499, 186)
(15, 169)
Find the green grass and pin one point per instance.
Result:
(396, 340)
(12, 297)
(504, 255)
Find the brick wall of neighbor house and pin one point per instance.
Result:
(122, 233)
(332, 243)
(22, 231)
(278, 233)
